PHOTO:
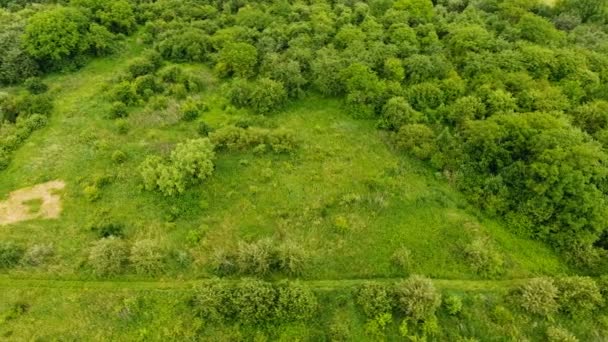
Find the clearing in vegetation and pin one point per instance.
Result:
(41, 201)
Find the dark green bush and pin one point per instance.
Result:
(10, 254)
(118, 110)
(35, 85)
(417, 139)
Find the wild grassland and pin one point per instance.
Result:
(344, 194)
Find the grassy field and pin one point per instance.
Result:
(344, 195)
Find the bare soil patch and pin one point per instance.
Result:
(38, 202)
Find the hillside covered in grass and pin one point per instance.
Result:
(400, 170)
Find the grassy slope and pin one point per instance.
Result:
(394, 201)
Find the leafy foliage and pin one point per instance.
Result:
(190, 163)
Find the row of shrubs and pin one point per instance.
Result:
(574, 296)
(14, 135)
(261, 258)
(112, 256)
(254, 302)
(234, 138)
(13, 254)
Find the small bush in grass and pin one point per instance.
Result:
(578, 295)
(10, 254)
(339, 331)
(122, 126)
(417, 297)
(256, 257)
(291, 258)
(106, 229)
(374, 299)
(91, 193)
(38, 254)
(223, 262)
(119, 157)
(295, 303)
(204, 129)
(118, 110)
(376, 326)
(254, 301)
(538, 296)
(417, 139)
(559, 334)
(108, 256)
(483, 258)
(35, 85)
(401, 258)
(453, 304)
(212, 301)
(147, 257)
(192, 109)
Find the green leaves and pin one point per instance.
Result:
(190, 163)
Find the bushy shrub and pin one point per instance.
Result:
(578, 295)
(190, 163)
(398, 112)
(123, 92)
(38, 254)
(453, 304)
(295, 303)
(267, 96)
(417, 139)
(238, 59)
(483, 258)
(538, 296)
(212, 301)
(401, 258)
(119, 157)
(204, 129)
(108, 256)
(291, 258)
(417, 297)
(35, 85)
(192, 109)
(106, 228)
(147, 257)
(559, 334)
(255, 258)
(236, 138)
(118, 110)
(374, 299)
(10, 254)
(144, 65)
(254, 301)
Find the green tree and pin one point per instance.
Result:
(56, 34)
(238, 59)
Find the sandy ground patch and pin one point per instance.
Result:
(38, 202)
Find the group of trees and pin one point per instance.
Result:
(44, 38)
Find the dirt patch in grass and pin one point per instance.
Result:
(38, 202)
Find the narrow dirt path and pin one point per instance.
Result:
(176, 285)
